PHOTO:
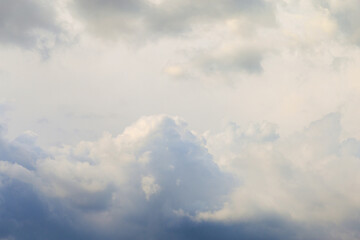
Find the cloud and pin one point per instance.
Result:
(141, 21)
(21, 151)
(29, 24)
(346, 15)
(143, 176)
(25, 213)
(300, 177)
(232, 60)
(160, 180)
(152, 19)
(149, 186)
(155, 159)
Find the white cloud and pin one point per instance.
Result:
(119, 179)
(152, 156)
(157, 177)
(309, 177)
(149, 186)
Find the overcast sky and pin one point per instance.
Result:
(179, 119)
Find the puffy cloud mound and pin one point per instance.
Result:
(155, 160)
(154, 173)
(159, 180)
(308, 177)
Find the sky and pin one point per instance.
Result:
(179, 119)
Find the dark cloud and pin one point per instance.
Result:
(22, 151)
(25, 215)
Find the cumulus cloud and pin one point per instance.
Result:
(144, 176)
(306, 177)
(24, 212)
(156, 159)
(143, 20)
(160, 180)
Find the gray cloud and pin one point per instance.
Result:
(155, 173)
(29, 24)
(26, 215)
(22, 150)
(154, 162)
(143, 20)
(347, 17)
(157, 180)
(239, 60)
(148, 19)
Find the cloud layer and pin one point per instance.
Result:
(149, 19)
(231, 38)
(158, 179)
(292, 63)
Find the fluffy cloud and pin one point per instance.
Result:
(156, 158)
(154, 171)
(158, 179)
(308, 177)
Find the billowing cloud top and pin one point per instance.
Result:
(158, 180)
